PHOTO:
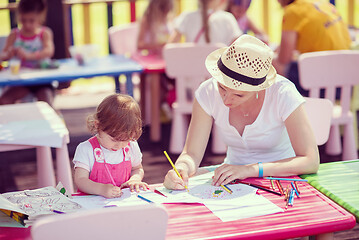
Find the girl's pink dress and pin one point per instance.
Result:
(105, 173)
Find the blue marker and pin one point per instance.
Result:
(295, 189)
(145, 199)
(291, 197)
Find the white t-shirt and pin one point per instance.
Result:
(84, 156)
(266, 139)
(223, 27)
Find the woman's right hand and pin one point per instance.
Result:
(111, 191)
(172, 181)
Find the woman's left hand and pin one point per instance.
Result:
(135, 185)
(227, 173)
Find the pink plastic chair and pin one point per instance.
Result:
(320, 117)
(329, 70)
(185, 63)
(127, 222)
(123, 38)
(123, 41)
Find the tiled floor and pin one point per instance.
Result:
(18, 169)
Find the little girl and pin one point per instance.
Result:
(111, 159)
(31, 44)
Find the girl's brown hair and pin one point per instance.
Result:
(119, 116)
(33, 6)
(29, 6)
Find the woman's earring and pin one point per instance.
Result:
(257, 95)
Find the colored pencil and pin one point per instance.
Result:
(56, 211)
(271, 182)
(279, 187)
(296, 186)
(261, 187)
(145, 199)
(291, 197)
(287, 201)
(286, 179)
(226, 188)
(158, 192)
(295, 190)
(174, 168)
(287, 193)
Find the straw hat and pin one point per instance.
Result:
(245, 65)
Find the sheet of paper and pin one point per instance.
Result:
(245, 207)
(206, 193)
(242, 203)
(128, 198)
(201, 191)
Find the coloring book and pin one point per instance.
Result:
(28, 205)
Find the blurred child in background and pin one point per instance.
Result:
(154, 30)
(111, 159)
(239, 10)
(31, 44)
(153, 34)
(308, 26)
(209, 24)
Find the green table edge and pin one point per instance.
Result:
(314, 182)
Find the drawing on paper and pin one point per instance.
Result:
(207, 191)
(41, 201)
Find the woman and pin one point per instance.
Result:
(260, 116)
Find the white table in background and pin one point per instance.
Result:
(36, 125)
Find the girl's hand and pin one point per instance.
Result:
(22, 54)
(111, 191)
(172, 181)
(135, 185)
(11, 52)
(227, 173)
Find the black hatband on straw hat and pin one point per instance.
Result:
(239, 77)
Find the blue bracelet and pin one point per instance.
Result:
(260, 169)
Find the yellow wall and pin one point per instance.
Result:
(121, 15)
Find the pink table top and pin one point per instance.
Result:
(151, 63)
(312, 214)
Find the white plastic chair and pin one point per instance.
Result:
(185, 63)
(330, 70)
(127, 222)
(320, 116)
(36, 125)
(123, 38)
(354, 107)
